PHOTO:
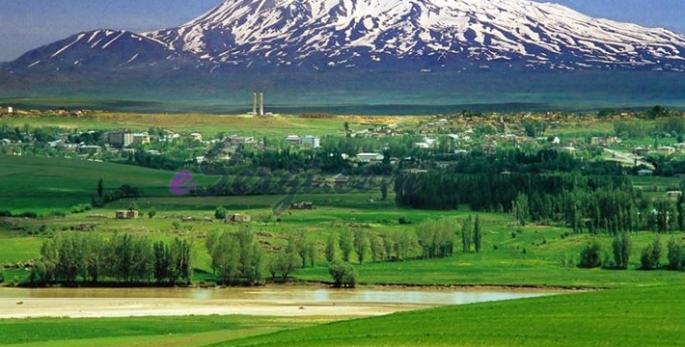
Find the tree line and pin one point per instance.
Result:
(70, 258)
(585, 203)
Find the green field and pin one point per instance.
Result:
(144, 331)
(624, 317)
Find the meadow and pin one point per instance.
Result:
(627, 317)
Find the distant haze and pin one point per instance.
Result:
(27, 24)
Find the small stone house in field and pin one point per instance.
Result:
(305, 205)
(674, 194)
(129, 214)
(238, 218)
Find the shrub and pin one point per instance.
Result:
(2, 277)
(176, 224)
(57, 214)
(220, 213)
(404, 221)
(651, 255)
(32, 215)
(5, 213)
(676, 254)
(590, 256)
(344, 275)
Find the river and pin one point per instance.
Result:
(273, 301)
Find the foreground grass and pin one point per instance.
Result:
(145, 331)
(623, 317)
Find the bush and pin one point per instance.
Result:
(31, 215)
(651, 255)
(5, 213)
(404, 221)
(176, 224)
(590, 256)
(2, 277)
(676, 254)
(57, 214)
(344, 275)
(220, 213)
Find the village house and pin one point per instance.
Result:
(369, 157)
(310, 140)
(238, 218)
(305, 205)
(140, 138)
(293, 139)
(127, 214)
(340, 179)
(645, 172)
(92, 149)
(666, 150)
(674, 194)
(196, 137)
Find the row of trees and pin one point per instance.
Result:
(94, 258)
(650, 256)
(585, 203)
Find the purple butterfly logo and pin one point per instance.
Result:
(178, 183)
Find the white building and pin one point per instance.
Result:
(310, 140)
(369, 157)
(293, 139)
(10, 109)
(196, 136)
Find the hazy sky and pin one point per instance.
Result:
(27, 24)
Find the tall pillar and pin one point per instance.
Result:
(254, 103)
(261, 104)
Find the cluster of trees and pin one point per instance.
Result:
(585, 203)
(101, 197)
(650, 256)
(94, 258)
(236, 256)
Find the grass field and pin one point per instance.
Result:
(210, 125)
(624, 317)
(146, 331)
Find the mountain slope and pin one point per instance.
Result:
(98, 50)
(353, 33)
(392, 35)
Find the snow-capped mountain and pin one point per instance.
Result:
(377, 34)
(368, 32)
(99, 49)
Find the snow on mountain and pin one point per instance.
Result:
(436, 32)
(375, 34)
(97, 50)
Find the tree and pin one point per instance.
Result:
(344, 275)
(477, 235)
(220, 213)
(312, 252)
(347, 126)
(376, 246)
(466, 235)
(346, 244)
(152, 213)
(388, 245)
(300, 241)
(621, 246)
(384, 191)
(676, 254)
(100, 188)
(286, 263)
(590, 255)
(133, 206)
(361, 244)
(651, 255)
(332, 247)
